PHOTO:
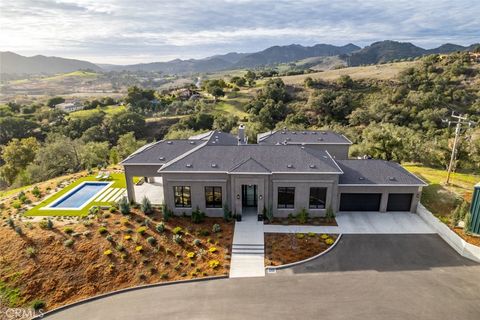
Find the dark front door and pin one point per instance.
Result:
(360, 201)
(399, 201)
(249, 196)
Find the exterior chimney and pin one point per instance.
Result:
(241, 135)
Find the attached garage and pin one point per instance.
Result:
(360, 201)
(399, 201)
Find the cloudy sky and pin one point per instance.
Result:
(132, 31)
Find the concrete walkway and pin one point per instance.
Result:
(248, 248)
(363, 223)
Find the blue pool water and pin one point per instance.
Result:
(77, 198)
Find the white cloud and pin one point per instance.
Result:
(128, 31)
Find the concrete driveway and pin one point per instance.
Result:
(364, 277)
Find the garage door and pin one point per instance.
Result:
(399, 201)
(360, 201)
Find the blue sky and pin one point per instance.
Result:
(129, 31)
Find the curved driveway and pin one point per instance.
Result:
(364, 277)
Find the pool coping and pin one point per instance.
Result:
(88, 201)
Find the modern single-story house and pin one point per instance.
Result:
(284, 172)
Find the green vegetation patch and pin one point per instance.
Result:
(9, 296)
(118, 180)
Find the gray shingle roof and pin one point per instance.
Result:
(219, 138)
(306, 136)
(379, 172)
(161, 152)
(282, 158)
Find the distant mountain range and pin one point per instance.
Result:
(378, 52)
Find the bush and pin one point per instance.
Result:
(197, 242)
(141, 230)
(177, 230)
(112, 209)
(102, 230)
(107, 252)
(46, 224)
(311, 234)
(160, 227)
(299, 235)
(139, 248)
(127, 237)
(94, 210)
(468, 221)
(22, 197)
(302, 216)
(124, 205)
(167, 213)
(212, 250)
(329, 214)
(38, 304)
(191, 255)
(227, 214)
(460, 213)
(146, 206)
(11, 223)
(68, 243)
(324, 236)
(204, 233)
(17, 204)
(216, 228)
(329, 241)
(109, 238)
(198, 216)
(268, 214)
(152, 240)
(18, 230)
(177, 238)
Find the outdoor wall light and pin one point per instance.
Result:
(260, 197)
(238, 196)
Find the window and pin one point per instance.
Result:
(183, 197)
(213, 197)
(318, 196)
(286, 197)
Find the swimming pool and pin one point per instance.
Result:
(80, 196)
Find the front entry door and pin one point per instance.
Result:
(249, 196)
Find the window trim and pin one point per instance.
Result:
(214, 204)
(317, 206)
(285, 205)
(183, 200)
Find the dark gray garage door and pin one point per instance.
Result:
(399, 201)
(360, 201)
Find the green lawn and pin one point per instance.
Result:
(109, 110)
(79, 73)
(118, 180)
(439, 198)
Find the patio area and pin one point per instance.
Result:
(153, 190)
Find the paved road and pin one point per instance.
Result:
(364, 277)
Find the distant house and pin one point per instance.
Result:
(285, 172)
(70, 106)
(186, 94)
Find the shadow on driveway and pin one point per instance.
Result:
(383, 253)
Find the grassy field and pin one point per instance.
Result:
(439, 198)
(79, 73)
(381, 72)
(108, 110)
(118, 180)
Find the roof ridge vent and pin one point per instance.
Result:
(214, 165)
(290, 166)
(188, 165)
(392, 178)
(312, 166)
(161, 158)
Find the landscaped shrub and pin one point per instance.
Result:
(22, 197)
(164, 276)
(107, 252)
(324, 236)
(38, 304)
(94, 210)
(198, 216)
(11, 223)
(160, 227)
(102, 230)
(212, 249)
(141, 230)
(127, 237)
(167, 213)
(146, 206)
(311, 234)
(177, 230)
(216, 228)
(459, 213)
(139, 248)
(17, 204)
(152, 240)
(467, 221)
(36, 192)
(177, 238)
(268, 214)
(31, 252)
(197, 242)
(109, 238)
(124, 205)
(299, 235)
(213, 264)
(46, 224)
(68, 242)
(227, 214)
(203, 233)
(112, 209)
(18, 230)
(302, 216)
(191, 255)
(329, 214)
(68, 230)
(329, 241)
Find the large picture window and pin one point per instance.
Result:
(183, 197)
(318, 197)
(213, 197)
(286, 197)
